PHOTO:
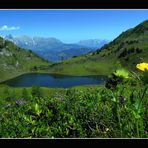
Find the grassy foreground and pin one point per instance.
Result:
(118, 109)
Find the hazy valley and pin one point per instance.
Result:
(53, 49)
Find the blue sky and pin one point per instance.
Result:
(70, 26)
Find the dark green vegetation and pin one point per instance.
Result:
(128, 49)
(115, 110)
(15, 61)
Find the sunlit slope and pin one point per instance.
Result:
(128, 49)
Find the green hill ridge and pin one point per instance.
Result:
(15, 61)
(128, 49)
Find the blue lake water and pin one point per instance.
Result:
(54, 80)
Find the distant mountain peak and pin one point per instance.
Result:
(93, 43)
(9, 36)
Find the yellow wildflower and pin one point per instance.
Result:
(142, 66)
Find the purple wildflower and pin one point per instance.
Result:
(20, 101)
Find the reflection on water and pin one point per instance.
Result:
(54, 80)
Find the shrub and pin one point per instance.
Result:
(36, 91)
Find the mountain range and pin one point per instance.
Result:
(53, 49)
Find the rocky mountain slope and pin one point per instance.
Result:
(15, 60)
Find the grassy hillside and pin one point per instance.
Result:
(15, 60)
(85, 65)
(128, 49)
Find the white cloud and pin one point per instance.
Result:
(6, 28)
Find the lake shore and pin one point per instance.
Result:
(54, 80)
(45, 72)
